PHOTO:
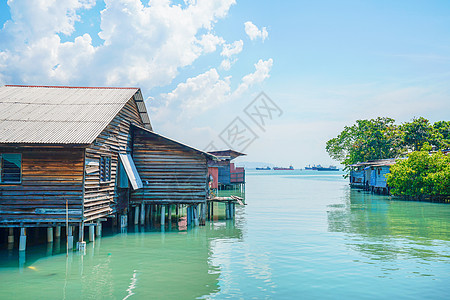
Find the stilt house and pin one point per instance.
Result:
(228, 174)
(80, 154)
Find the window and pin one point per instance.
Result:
(105, 168)
(10, 167)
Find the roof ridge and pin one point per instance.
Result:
(72, 87)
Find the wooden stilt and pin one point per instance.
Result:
(98, 229)
(136, 215)
(91, 233)
(57, 232)
(147, 213)
(196, 222)
(81, 244)
(11, 236)
(142, 214)
(170, 214)
(50, 234)
(163, 215)
(69, 237)
(22, 240)
(123, 221)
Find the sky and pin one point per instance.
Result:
(273, 79)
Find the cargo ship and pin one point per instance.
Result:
(320, 168)
(266, 168)
(280, 169)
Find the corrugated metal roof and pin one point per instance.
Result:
(59, 115)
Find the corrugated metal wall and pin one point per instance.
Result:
(170, 173)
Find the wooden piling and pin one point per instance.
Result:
(136, 215)
(142, 214)
(69, 238)
(98, 229)
(50, 234)
(170, 214)
(57, 232)
(22, 240)
(163, 215)
(91, 233)
(11, 236)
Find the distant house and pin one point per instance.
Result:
(228, 174)
(371, 175)
(81, 154)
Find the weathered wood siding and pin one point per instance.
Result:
(50, 177)
(100, 197)
(170, 173)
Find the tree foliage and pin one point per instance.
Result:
(366, 140)
(421, 175)
(381, 138)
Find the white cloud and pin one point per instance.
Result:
(229, 50)
(142, 45)
(232, 49)
(254, 33)
(206, 91)
(260, 74)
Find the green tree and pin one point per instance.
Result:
(418, 132)
(366, 140)
(442, 132)
(421, 176)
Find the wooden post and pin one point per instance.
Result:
(98, 229)
(142, 214)
(212, 210)
(81, 245)
(91, 233)
(23, 239)
(69, 238)
(57, 232)
(163, 215)
(188, 215)
(196, 215)
(147, 214)
(136, 215)
(177, 211)
(50, 234)
(170, 213)
(123, 221)
(11, 236)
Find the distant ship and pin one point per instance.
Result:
(330, 168)
(320, 168)
(278, 168)
(266, 168)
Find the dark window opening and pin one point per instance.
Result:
(105, 168)
(10, 167)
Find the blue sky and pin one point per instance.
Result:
(325, 64)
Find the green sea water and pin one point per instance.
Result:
(303, 235)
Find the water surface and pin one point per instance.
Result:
(303, 234)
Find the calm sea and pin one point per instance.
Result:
(303, 235)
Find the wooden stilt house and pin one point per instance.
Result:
(80, 154)
(228, 174)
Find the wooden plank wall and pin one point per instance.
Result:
(100, 197)
(50, 176)
(170, 173)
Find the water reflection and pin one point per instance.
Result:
(140, 262)
(385, 230)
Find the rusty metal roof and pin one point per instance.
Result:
(61, 115)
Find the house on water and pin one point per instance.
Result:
(229, 176)
(371, 175)
(78, 155)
